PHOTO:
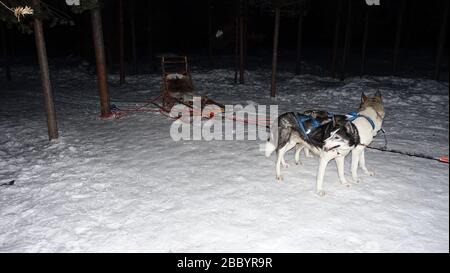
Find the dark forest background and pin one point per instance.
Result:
(181, 27)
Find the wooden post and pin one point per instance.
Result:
(45, 73)
(337, 29)
(398, 36)
(5, 52)
(236, 49)
(102, 78)
(364, 42)
(133, 35)
(441, 43)
(210, 35)
(348, 31)
(121, 44)
(241, 44)
(298, 65)
(273, 89)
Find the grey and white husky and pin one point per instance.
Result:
(329, 136)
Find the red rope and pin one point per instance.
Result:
(125, 112)
(141, 109)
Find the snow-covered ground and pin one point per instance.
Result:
(125, 185)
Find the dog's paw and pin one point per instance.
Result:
(369, 173)
(280, 178)
(320, 193)
(298, 162)
(357, 180)
(285, 165)
(346, 184)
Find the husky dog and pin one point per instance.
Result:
(321, 117)
(311, 137)
(328, 136)
(370, 120)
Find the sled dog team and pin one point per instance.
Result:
(329, 136)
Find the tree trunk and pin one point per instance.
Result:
(273, 88)
(133, 36)
(150, 38)
(109, 45)
(5, 52)
(45, 74)
(398, 36)
(298, 65)
(348, 33)
(364, 42)
(236, 50)
(241, 48)
(102, 78)
(441, 43)
(11, 45)
(337, 29)
(210, 35)
(121, 44)
(410, 19)
(245, 35)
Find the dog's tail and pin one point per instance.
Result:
(270, 148)
(270, 145)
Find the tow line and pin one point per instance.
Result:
(162, 110)
(442, 159)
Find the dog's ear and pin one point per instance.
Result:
(378, 96)
(334, 132)
(364, 98)
(349, 128)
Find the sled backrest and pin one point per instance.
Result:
(176, 75)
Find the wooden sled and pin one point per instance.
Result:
(178, 87)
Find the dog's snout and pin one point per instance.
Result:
(332, 148)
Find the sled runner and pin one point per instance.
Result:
(178, 87)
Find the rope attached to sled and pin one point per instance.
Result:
(118, 114)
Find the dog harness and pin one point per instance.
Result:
(315, 123)
(302, 119)
(353, 115)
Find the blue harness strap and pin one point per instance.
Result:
(353, 115)
(301, 119)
